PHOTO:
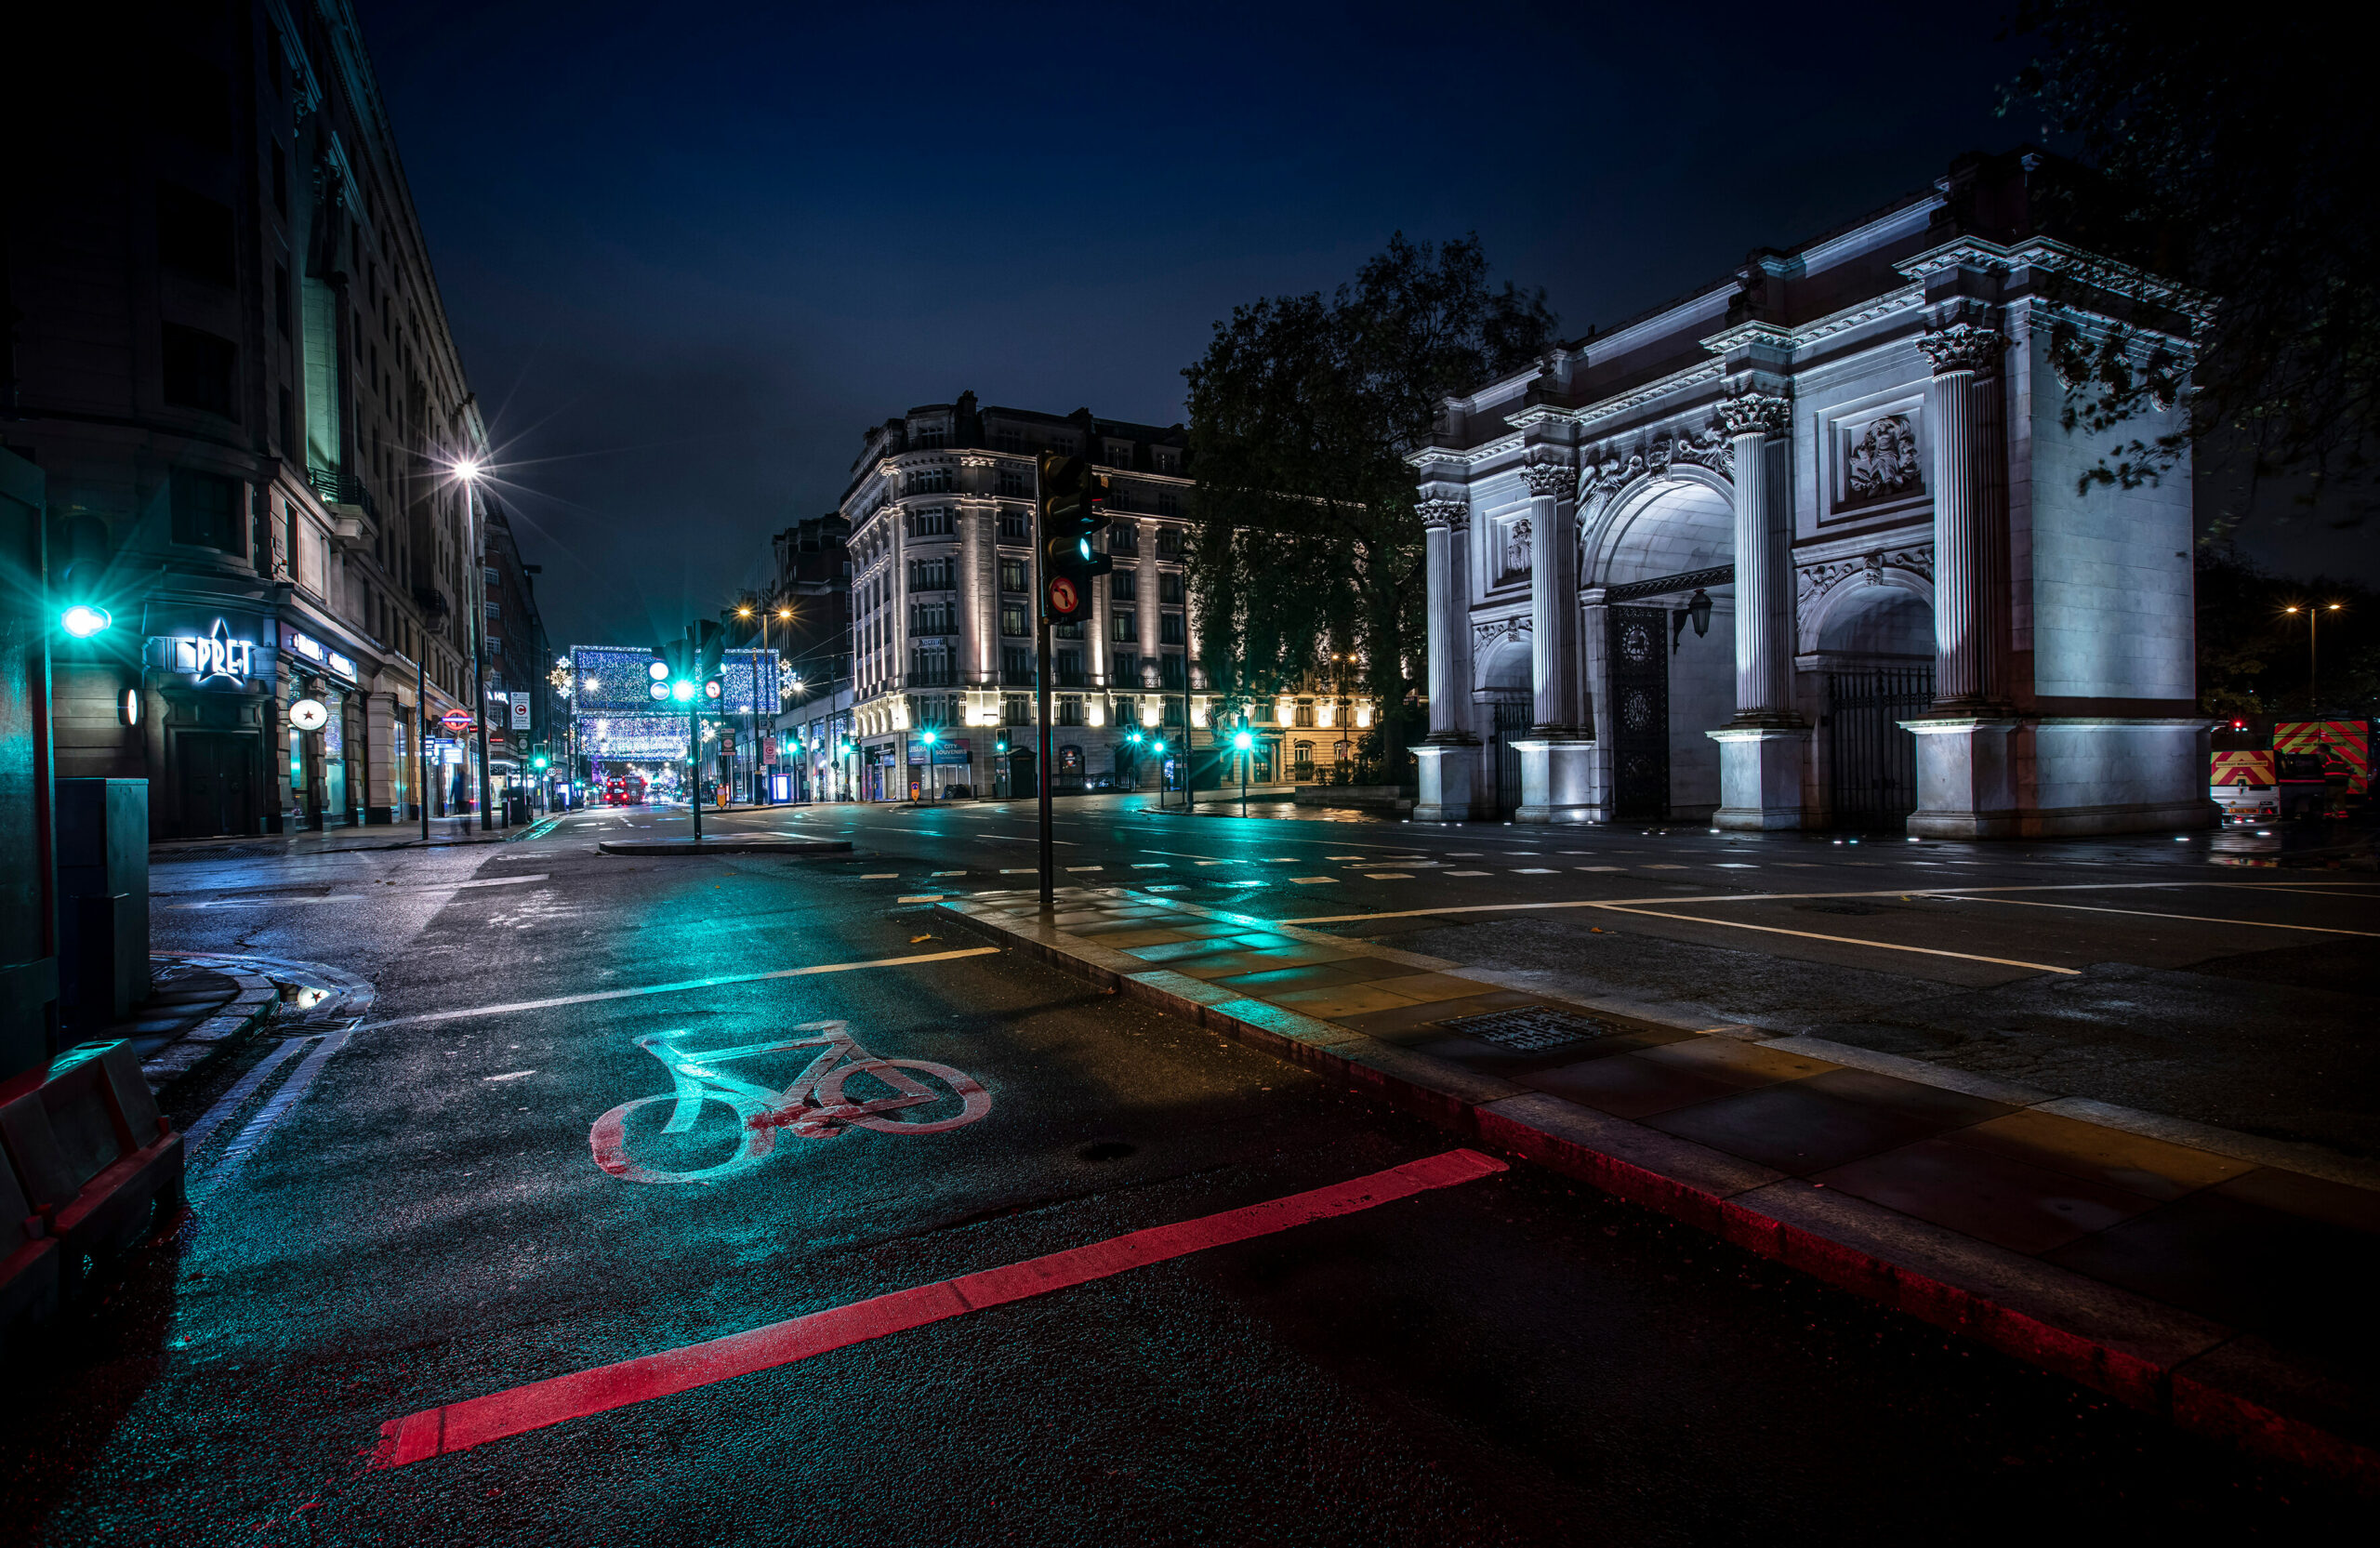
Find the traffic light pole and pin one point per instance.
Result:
(694, 764)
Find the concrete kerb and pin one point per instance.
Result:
(2200, 1375)
(259, 998)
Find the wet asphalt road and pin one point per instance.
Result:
(1510, 1361)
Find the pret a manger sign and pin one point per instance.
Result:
(213, 656)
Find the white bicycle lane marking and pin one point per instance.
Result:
(814, 1106)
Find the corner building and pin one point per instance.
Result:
(234, 368)
(1806, 548)
(943, 596)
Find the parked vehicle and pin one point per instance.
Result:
(2288, 771)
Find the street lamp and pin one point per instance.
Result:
(469, 471)
(1243, 744)
(85, 619)
(928, 738)
(2313, 652)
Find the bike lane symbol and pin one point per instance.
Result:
(814, 1107)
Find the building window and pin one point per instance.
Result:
(1169, 542)
(1016, 709)
(932, 522)
(1119, 454)
(1168, 461)
(926, 481)
(1172, 712)
(1169, 502)
(205, 510)
(1123, 584)
(1070, 712)
(934, 574)
(1128, 713)
(199, 370)
(1171, 671)
(1012, 576)
(1169, 586)
(926, 437)
(1012, 619)
(1127, 673)
(1016, 527)
(1124, 537)
(1169, 629)
(933, 617)
(1014, 484)
(1009, 440)
(194, 235)
(1123, 624)
(1069, 669)
(1302, 754)
(1305, 716)
(1016, 669)
(1068, 632)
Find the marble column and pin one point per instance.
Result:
(1763, 750)
(1556, 779)
(1753, 422)
(1449, 761)
(1967, 744)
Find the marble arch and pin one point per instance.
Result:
(1856, 447)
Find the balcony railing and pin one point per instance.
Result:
(334, 488)
(933, 679)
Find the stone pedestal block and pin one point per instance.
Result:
(1760, 776)
(1557, 785)
(1450, 780)
(1966, 778)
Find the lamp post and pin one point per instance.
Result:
(927, 738)
(2313, 653)
(1243, 744)
(468, 471)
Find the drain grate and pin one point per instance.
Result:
(1529, 1028)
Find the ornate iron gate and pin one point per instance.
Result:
(1872, 761)
(1512, 714)
(1640, 714)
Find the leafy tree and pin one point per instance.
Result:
(2240, 160)
(1300, 413)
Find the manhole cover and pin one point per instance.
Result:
(1529, 1028)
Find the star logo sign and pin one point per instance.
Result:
(221, 656)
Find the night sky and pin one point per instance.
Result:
(691, 256)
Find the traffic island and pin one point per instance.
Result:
(728, 843)
(2209, 1277)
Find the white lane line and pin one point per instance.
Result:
(680, 987)
(1766, 897)
(2146, 914)
(490, 881)
(1310, 880)
(1845, 940)
(259, 1126)
(514, 1075)
(1534, 870)
(1471, 873)
(1086, 868)
(232, 1101)
(919, 897)
(882, 876)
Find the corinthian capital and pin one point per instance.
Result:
(1961, 347)
(1452, 515)
(1557, 479)
(1755, 413)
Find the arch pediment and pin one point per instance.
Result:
(1660, 523)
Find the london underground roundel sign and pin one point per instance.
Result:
(1064, 597)
(456, 719)
(308, 715)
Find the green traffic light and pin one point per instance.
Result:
(682, 691)
(541, 760)
(926, 737)
(83, 620)
(1242, 740)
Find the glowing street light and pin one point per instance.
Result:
(84, 619)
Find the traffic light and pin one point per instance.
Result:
(709, 646)
(1242, 741)
(539, 761)
(1073, 514)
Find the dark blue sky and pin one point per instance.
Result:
(691, 254)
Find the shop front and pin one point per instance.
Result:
(207, 693)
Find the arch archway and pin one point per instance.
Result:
(1654, 705)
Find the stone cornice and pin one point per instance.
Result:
(1453, 456)
(1752, 336)
(2052, 256)
(1672, 385)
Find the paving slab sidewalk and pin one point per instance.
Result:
(200, 1006)
(2216, 1278)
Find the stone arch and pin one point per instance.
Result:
(1663, 524)
(1886, 612)
(1507, 665)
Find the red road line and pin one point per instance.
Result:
(476, 1420)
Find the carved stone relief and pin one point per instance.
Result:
(1880, 459)
(1485, 635)
(1812, 582)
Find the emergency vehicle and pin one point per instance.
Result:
(2264, 771)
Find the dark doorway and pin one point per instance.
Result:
(217, 782)
(1872, 761)
(1509, 718)
(1640, 713)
